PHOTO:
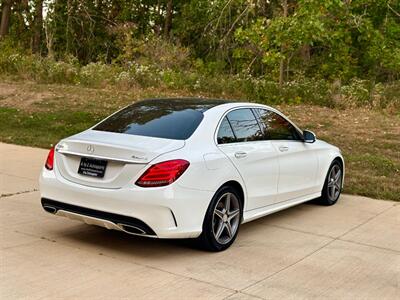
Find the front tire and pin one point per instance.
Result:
(333, 184)
(222, 220)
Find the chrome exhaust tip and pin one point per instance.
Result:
(132, 229)
(50, 209)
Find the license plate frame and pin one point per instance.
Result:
(92, 167)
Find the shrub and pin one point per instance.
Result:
(157, 52)
(98, 74)
(357, 92)
(294, 92)
(387, 95)
(171, 68)
(49, 70)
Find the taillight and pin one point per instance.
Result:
(50, 160)
(163, 173)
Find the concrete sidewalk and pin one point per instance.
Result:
(347, 251)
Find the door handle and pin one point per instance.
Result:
(240, 154)
(283, 148)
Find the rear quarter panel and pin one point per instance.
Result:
(209, 168)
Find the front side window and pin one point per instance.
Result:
(276, 127)
(244, 125)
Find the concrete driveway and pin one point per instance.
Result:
(348, 251)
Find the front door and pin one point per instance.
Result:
(298, 162)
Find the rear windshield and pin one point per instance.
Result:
(161, 119)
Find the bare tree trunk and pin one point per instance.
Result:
(281, 72)
(372, 83)
(157, 25)
(264, 8)
(168, 20)
(68, 28)
(282, 63)
(305, 53)
(37, 26)
(5, 17)
(49, 41)
(23, 19)
(336, 93)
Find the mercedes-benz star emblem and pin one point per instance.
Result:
(90, 148)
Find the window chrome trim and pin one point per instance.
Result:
(251, 107)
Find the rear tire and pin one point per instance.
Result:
(222, 220)
(333, 184)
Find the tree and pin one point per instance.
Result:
(37, 26)
(282, 63)
(279, 40)
(5, 17)
(337, 40)
(68, 27)
(168, 19)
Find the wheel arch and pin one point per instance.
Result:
(340, 160)
(325, 159)
(238, 187)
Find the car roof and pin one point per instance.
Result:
(196, 103)
(199, 104)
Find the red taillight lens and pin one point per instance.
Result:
(163, 173)
(50, 160)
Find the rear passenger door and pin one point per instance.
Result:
(240, 137)
(298, 161)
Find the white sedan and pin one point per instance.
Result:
(188, 168)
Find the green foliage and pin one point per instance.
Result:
(155, 51)
(293, 92)
(97, 74)
(344, 39)
(200, 77)
(330, 39)
(381, 165)
(334, 53)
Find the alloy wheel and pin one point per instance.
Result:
(226, 218)
(334, 182)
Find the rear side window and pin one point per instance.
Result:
(225, 133)
(276, 127)
(154, 120)
(244, 125)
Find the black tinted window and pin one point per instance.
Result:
(276, 127)
(162, 119)
(225, 133)
(244, 125)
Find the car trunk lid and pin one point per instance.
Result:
(127, 156)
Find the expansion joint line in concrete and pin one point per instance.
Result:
(18, 193)
(317, 250)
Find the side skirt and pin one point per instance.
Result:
(253, 214)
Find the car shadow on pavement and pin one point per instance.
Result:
(100, 240)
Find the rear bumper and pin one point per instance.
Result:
(166, 212)
(95, 217)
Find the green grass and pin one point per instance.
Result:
(41, 129)
(378, 164)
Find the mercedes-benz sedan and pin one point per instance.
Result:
(188, 168)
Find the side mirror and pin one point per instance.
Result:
(309, 136)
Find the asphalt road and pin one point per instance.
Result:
(348, 251)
